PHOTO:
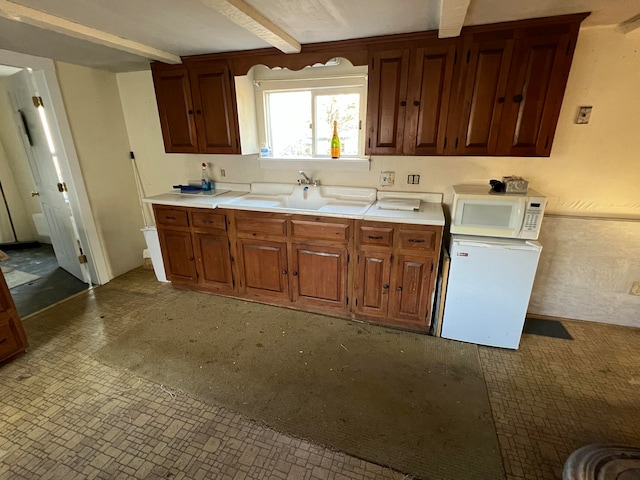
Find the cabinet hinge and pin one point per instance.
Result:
(369, 142)
(356, 302)
(445, 143)
(237, 143)
(456, 146)
(432, 268)
(82, 258)
(373, 60)
(358, 259)
(233, 282)
(347, 300)
(348, 257)
(468, 55)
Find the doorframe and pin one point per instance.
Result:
(44, 68)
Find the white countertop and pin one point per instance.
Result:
(429, 213)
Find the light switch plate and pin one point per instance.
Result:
(584, 113)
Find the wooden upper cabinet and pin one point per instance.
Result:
(387, 100)
(539, 72)
(197, 107)
(484, 73)
(173, 94)
(430, 85)
(408, 98)
(215, 108)
(512, 83)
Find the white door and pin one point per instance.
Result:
(50, 187)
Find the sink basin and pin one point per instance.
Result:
(346, 201)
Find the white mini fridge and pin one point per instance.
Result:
(490, 282)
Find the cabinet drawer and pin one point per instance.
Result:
(255, 226)
(381, 236)
(424, 240)
(8, 343)
(209, 220)
(171, 217)
(318, 230)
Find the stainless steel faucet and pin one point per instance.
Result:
(307, 180)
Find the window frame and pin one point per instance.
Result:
(320, 85)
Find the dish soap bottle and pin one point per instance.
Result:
(206, 182)
(335, 142)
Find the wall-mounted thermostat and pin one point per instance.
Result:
(584, 113)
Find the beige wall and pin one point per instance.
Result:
(15, 177)
(95, 116)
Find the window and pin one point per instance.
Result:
(296, 115)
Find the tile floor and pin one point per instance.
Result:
(64, 415)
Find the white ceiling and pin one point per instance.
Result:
(190, 27)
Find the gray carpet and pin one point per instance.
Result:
(412, 402)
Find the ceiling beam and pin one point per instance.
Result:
(20, 13)
(631, 25)
(452, 15)
(246, 16)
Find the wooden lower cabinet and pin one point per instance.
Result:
(213, 261)
(263, 268)
(319, 276)
(395, 276)
(177, 252)
(13, 339)
(306, 262)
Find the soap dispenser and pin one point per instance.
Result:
(206, 181)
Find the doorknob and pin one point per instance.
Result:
(35, 194)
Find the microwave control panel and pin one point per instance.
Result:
(533, 215)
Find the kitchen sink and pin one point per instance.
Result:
(306, 198)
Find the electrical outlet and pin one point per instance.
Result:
(413, 179)
(223, 173)
(635, 288)
(387, 179)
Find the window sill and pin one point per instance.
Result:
(335, 165)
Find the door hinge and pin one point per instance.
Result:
(37, 102)
(62, 187)
(82, 258)
(360, 125)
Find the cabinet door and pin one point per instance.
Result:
(173, 94)
(539, 73)
(213, 260)
(215, 108)
(263, 266)
(319, 275)
(410, 289)
(372, 287)
(485, 72)
(177, 253)
(428, 97)
(13, 339)
(387, 100)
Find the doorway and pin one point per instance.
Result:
(50, 251)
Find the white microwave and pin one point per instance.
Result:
(477, 211)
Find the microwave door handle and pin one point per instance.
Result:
(521, 211)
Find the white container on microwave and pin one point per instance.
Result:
(477, 211)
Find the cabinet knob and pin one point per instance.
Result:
(284, 272)
(416, 103)
(295, 274)
(199, 112)
(518, 98)
(403, 103)
(385, 286)
(399, 289)
(501, 100)
(190, 112)
(191, 259)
